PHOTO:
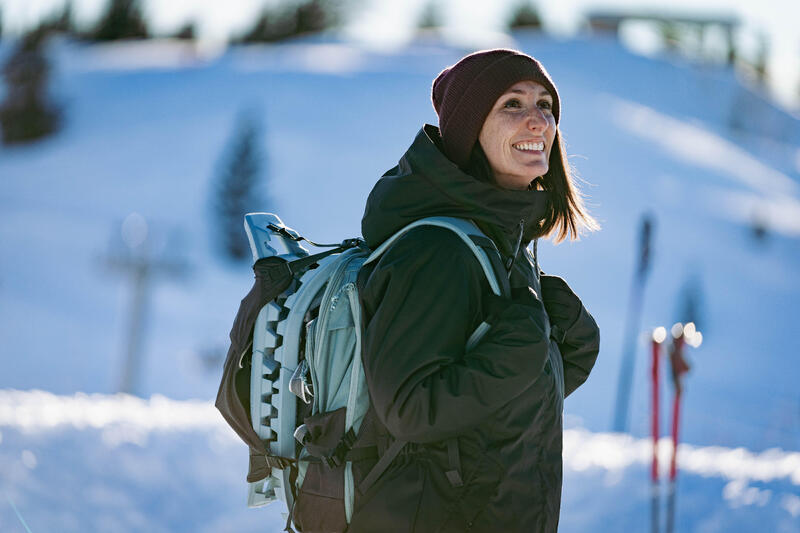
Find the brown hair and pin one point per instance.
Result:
(566, 213)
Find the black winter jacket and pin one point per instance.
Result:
(503, 400)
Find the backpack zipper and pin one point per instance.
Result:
(324, 314)
(356, 377)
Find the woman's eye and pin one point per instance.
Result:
(545, 104)
(512, 103)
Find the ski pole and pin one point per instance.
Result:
(673, 464)
(658, 336)
(679, 367)
(632, 325)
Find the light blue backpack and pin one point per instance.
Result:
(306, 359)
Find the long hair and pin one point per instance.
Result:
(566, 214)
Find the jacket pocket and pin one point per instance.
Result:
(479, 488)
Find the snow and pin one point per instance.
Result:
(702, 148)
(170, 465)
(145, 126)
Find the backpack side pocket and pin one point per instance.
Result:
(320, 499)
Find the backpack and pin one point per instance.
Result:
(293, 387)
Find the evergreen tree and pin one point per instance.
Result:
(187, 32)
(524, 16)
(272, 25)
(284, 22)
(314, 16)
(431, 16)
(122, 19)
(25, 113)
(236, 190)
(60, 22)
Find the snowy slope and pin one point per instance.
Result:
(147, 123)
(122, 464)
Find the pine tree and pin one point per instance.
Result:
(187, 32)
(271, 26)
(237, 189)
(303, 18)
(313, 16)
(524, 16)
(25, 113)
(431, 16)
(122, 19)
(60, 22)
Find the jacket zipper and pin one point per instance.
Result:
(510, 265)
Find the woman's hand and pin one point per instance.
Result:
(573, 328)
(562, 304)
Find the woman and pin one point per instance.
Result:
(485, 427)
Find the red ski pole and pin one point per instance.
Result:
(659, 334)
(679, 367)
(656, 348)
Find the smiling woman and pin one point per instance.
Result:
(517, 136)
(470, 426)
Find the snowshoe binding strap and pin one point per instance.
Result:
(293, 235)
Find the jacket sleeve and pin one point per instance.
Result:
(421, 303)
(579, 350)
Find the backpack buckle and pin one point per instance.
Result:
(339, 454)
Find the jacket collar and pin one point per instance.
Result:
(426, 183)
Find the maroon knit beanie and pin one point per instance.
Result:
(464, 93)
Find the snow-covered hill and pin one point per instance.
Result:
(147, 122)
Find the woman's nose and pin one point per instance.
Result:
(537, 120)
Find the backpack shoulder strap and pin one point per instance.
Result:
(468, 232)
(491, 265)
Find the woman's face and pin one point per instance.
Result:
(518, 134)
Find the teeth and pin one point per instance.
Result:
(530, 146)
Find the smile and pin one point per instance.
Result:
(529, 147)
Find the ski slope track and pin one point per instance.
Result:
(145, 127)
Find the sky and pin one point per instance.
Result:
(390, 22)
